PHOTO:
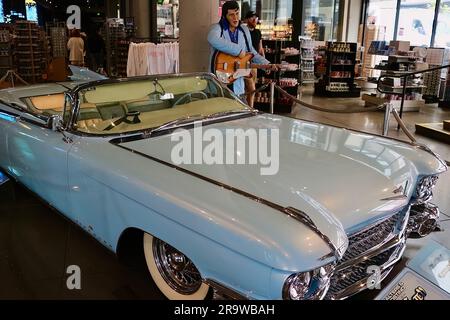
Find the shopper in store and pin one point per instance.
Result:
(251, 20)
(75, 45)
(232, 38)
(96, 50)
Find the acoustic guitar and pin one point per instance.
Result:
(230, 68)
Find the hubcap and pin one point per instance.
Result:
(176, 269)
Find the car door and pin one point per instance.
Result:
(38, 159)
(6, 119)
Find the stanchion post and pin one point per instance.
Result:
(272, 97)
(387, 118)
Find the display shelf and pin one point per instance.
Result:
(408, 106)
(276, 53)
(30, 50)
(339, 78)
(307, 46)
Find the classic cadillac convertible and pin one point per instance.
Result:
(100, 153)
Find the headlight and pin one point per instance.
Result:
(312, 285)
(424, 191)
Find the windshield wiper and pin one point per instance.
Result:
(232, 113)
(177, 122)
(197, 117)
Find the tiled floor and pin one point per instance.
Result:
(37, 244)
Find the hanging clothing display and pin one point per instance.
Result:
(148, 58)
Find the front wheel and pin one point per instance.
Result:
(173, 273)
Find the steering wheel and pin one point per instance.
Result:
(203, 96)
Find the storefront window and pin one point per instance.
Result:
(416, 21)
(381, 13)
(318, 17)
(168, 18)
(443, 26)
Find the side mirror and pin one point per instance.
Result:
(55, 122)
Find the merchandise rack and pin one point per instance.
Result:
(57, 34)
(307, 47)
(118, 35)
(391, 71)
(339, 79)
(31, 51)
(277, 52)
(6, 49)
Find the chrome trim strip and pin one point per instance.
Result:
(5, 114)
(221, 291)
(291, 212)
(438, 157)
(390, 241)
(386, 269)
(306, 220)
(389, 244)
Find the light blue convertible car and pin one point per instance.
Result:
(101, 153)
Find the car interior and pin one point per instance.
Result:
(130, 106)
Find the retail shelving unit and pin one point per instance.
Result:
(446, 102)
(392, 69)
(57, 33)
(339, 80)
(117, 45)
(30, 51)
(286, 53)
(6, 50)
(307, 54)
(435, 57)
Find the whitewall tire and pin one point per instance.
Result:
(173, 273)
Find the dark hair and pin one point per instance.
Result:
(76, 33)
(229, 5)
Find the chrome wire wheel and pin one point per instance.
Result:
(178, 271)
(174, 273)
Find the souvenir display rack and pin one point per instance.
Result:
(391, 69)
(116, 47)
(339, 79)
(30, 50)
(286, 53)
(57, 33)
(6, 49)
(307, 54)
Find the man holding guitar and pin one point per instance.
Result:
(232, 50)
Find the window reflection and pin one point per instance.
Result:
(318, 19)
(416, 21)
(360, 148)
(443, 26)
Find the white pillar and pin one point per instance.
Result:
(196, 17)
(354, 15)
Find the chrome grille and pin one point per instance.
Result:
(345, 278)
(352, 269)
(366, 240)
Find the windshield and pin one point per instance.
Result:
(135, 105)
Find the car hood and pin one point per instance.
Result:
(342, 180)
